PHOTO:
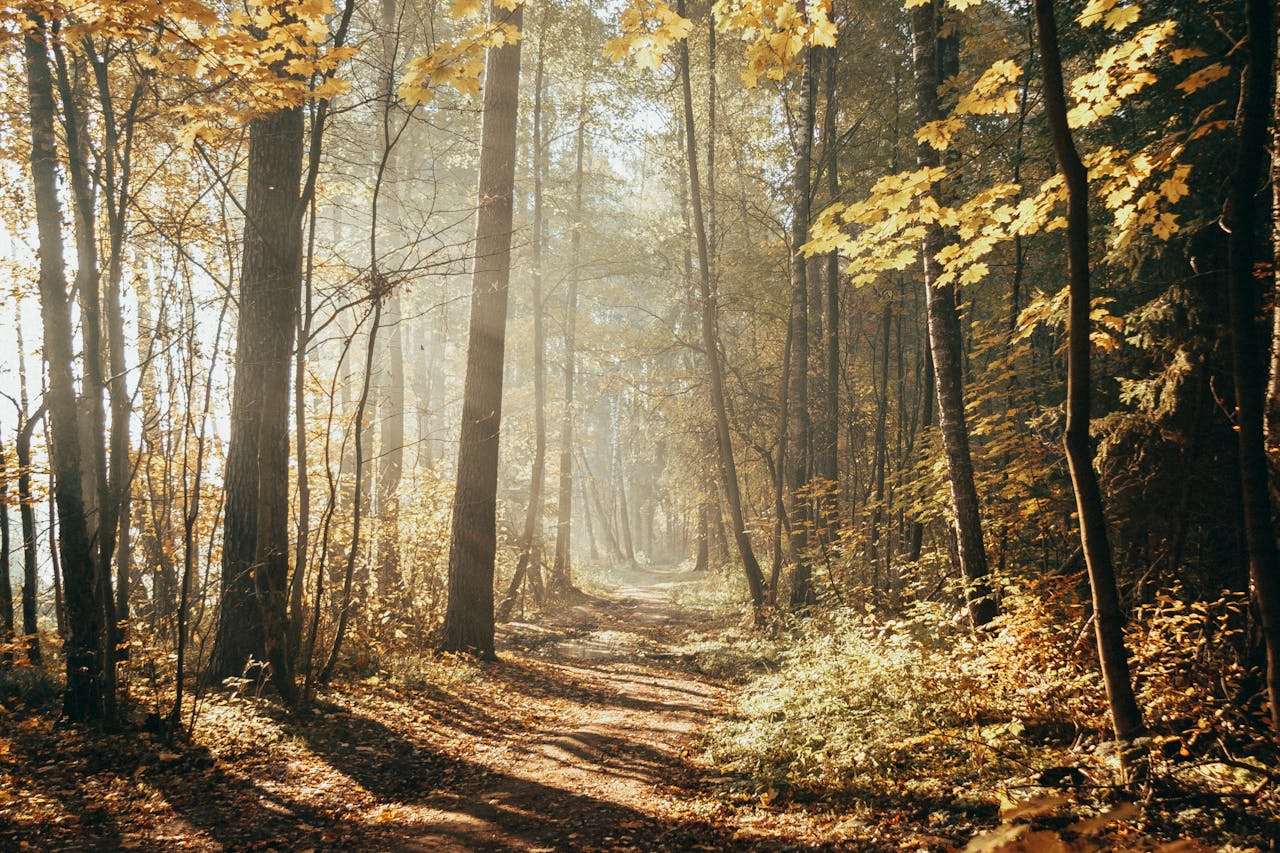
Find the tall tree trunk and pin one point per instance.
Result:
(468, 623)
(1273, 385)
(26, 503)
(253, 620)
(711, 345)
(116, 167)
(6, 585)
(357, 513)
(946, 337)
(826, 458)
(391, 399)
(531, 540)
(85, 698)
(101, 509)
(1108, 620)
(561, 570)
(880, 458)
(1245, 230)
(800, 452)
(30, 558)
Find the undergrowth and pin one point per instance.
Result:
(918, 708)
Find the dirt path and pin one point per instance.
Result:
(613, 771)
(580, 738)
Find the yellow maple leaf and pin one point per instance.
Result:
(1209, 74)
(1120, 17)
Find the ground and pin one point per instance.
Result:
(583, 736)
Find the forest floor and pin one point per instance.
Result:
(583, 736)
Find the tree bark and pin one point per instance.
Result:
(85, 699)
(30, 558)
(531, 542)
(391, 400)
(1244, 230)
(946, 341)
(561, 570)
(826, 458)
(468, 624)
(6, 585)
(800, 452)
(1108, 620)
(711, 345)
(253, 619)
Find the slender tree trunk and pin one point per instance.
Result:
(1273, 385)
(561, 570)
(6, 585)
(86, 684)
(101, 508)
(1244, 230)
(624, 514)
(826, 456)
(353, 550)
(468, 625)
(531, 541)
(881, 451)
(946, 339)
(800, 452)
(30, 558)
(391, 401)
(1108, 619)
(191, 505)
(710, 344)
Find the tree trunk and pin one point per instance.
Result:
(101, 509)
(30, 558)
(253, 620)
(468, 624)
(800, 453)
(531, 542)
(6, 585)
(391, 398)
(711, 345)
(826, 457)
(1244, 230)
(357, 513)
(1108, 619)
(561, 570)
(946, 341)
(85, 698)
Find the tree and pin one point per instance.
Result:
(255, 562)
(530, 562)
(561, 580)
(1108, 620)
(85, 698)
(1245, 230)
(945, 333)
(711, 342)
(799, 458)
(468, 625)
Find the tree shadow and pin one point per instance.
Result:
(486, 809)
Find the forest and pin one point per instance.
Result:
(542, 425)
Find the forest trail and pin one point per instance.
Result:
(605, 773)
(581, 737)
